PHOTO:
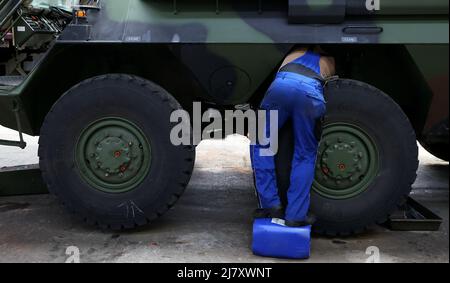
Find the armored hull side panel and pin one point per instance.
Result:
(203, 22)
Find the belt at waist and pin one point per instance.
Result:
(304, 71)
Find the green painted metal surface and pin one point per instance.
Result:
(230, 48)
(348, 162)
(113, 155)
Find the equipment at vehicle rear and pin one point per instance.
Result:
(26, 32)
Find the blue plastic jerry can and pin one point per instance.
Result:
(271, 238)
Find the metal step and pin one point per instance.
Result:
(21, 180)
(11, 80)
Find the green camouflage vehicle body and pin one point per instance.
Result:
(206, 40)
(225, 53)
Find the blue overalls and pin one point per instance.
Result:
(299, 98)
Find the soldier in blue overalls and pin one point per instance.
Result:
(297, 94)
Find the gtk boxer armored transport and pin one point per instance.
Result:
(97, 80)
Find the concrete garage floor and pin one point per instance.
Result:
(211, 222)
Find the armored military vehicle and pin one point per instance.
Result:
(98, 79)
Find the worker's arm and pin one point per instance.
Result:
(327, 66)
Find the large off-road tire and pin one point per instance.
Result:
(367, 160)
(105, 151)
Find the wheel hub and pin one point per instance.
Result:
(113, 155)
(347, 162)
(342, 161)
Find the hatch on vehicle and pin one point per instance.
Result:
(317, 12)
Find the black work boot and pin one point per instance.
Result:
(273, 212)
(260, 213)
(310, 220)
(277, 212)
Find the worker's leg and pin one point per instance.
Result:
(306, 114)
(263, 164)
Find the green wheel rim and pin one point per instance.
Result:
(113, 155)
(347, 162)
